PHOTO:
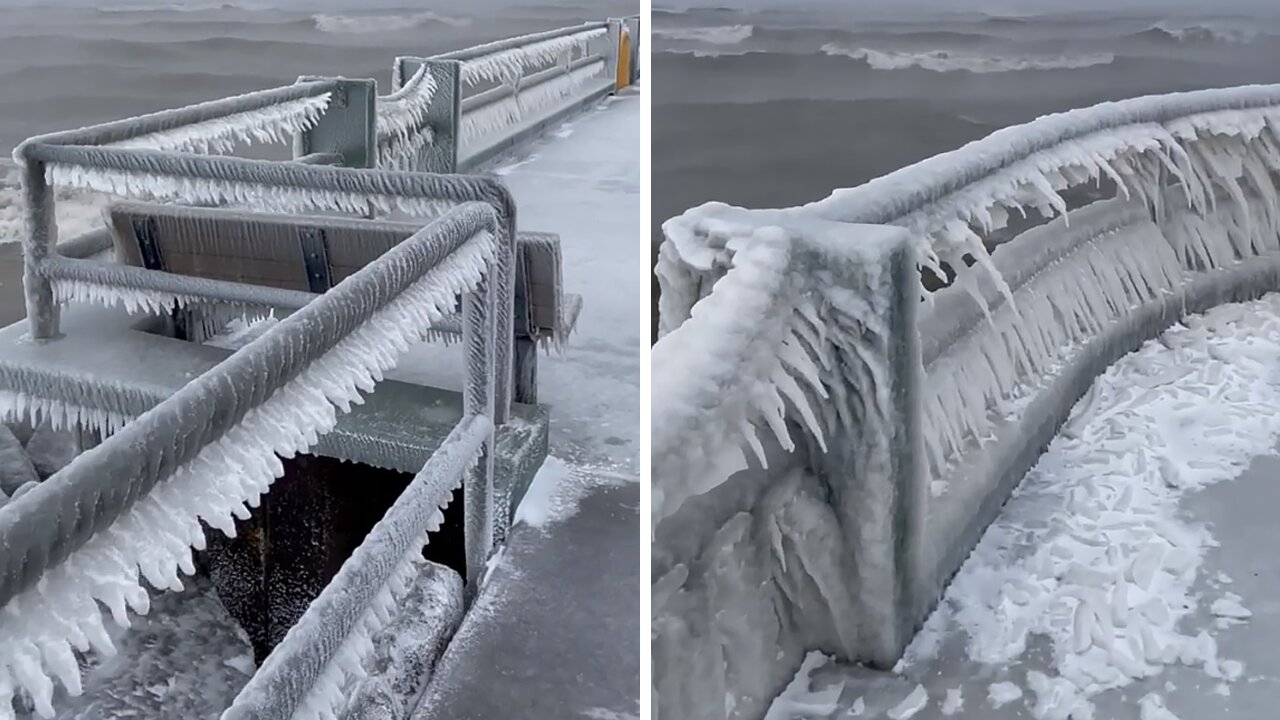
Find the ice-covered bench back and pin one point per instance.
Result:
(313, 253)
(899, 426)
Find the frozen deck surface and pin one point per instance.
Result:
(555, 633)
(1200, 410)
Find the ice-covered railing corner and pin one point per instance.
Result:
(488, 98)
(1194, 223)
(131, 508)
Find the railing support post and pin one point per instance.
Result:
(481, 523)
(444, 117)
(41, 241)
(348, 128)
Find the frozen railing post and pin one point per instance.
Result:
(347, 128)
(39, 243)
(633, 25)
(443, 113)
(615, 44)
(481, 525)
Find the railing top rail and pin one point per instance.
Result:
(128, 128)
(43, 527)
(889, 197)
(480, 51)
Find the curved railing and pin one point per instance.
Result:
(979, 378)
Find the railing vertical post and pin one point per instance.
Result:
(444, 117)
(633, 24)
(879, 484)
(479, 328)
(39, 243)
(347, 128)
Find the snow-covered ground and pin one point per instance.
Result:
(1131, 575)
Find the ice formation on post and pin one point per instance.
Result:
(271, 124)
(401, 129)
(766, 346)
(46, 624)
(507, 66)
(511, 110)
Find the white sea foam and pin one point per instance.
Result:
(1207, 33)
(944, 61)
(357, 24)
(719, 35)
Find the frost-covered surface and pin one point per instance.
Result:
(154, 539)
(1091, 589)
(406, 649)
(186, 658)
(276, 123)
(526, 102)
(508, 66)
(401, 129)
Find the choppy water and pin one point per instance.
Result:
(777, 107)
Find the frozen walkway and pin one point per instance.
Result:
(555, 632)
(1133, 572)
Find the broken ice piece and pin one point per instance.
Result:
(1151, 707)
(1229, 606)
(1003, 693)
(910, 705)
(953, 703)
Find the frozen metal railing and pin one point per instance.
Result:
(136, 501)
(217, 180)
(306, 670)
(490, 97)
(1196, 222)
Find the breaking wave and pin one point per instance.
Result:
(944, 61)
(384, 23)
(721, 35)
(1205, 33)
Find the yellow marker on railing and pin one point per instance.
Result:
(624, 58)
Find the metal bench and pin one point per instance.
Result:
(314, 253)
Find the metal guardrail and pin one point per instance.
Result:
(489, 98)
(1156, 149)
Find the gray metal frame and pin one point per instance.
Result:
(452, 102)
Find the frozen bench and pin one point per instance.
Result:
(314, 253)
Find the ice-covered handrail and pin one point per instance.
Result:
(508, 60)
(401, 123)
(135, 503)
(1131, 142)
(306, 675)
(205, 114)
(505, 106)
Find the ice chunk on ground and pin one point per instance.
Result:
(799, 699)
(1151, 707)
(1229, 606)
(1003, 693)
(954, 702)
(910, 705)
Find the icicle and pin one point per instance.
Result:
(510, 65)
(274, 123)
(510, 111)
